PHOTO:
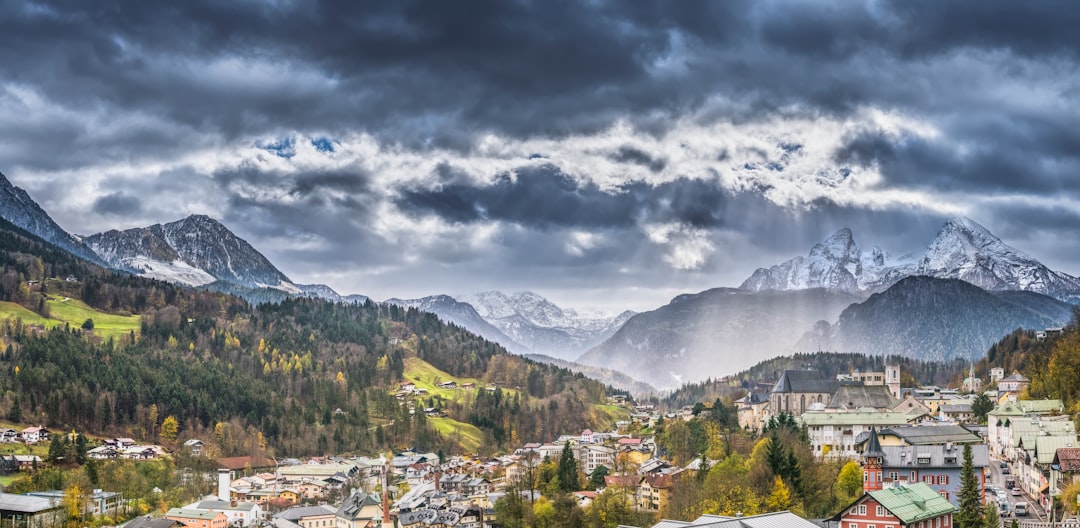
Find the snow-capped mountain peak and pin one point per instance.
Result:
(963, 249)
(17, 207)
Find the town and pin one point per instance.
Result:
(909, 444)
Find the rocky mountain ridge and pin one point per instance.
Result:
(17, 207)
(962, 249)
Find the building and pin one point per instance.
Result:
(937, 466)
(783, 519)
(796, 390)
(99, 502)
(996, 374)
(1012, 385)
(237, 513)
(835, 434)
(654, 492)
(598, 455)
(24, 511)
(310, 517)
(33, 435)
(753, 410)
(195, 446)
(1000, 420)
(147, 521)
(850, 397)
(198, 518)
(913, 505)
(360, 510)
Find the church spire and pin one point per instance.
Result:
(872, 457)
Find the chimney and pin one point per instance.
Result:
(223, 481)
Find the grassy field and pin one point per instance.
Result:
(468, 436)
(74, 312)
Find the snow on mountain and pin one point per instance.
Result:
(17, 207)
(542, 326)
(463, 314)
(322, 291)
(967, 251)
(196, 250)
(963, 250)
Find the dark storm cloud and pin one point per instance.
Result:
(435, 73)
(118, 204)
(545, 197)
(628, 154)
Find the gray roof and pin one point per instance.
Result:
(850, 396)
(956, 408)
(804, 381)
(782, 519)
(26, 504)
(151, 522)
(907, 456)
(933, 434)
(300, 512)
(219, 505)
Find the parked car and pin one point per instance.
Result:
(1020, 509)
(1003, 508)
(1015, 492)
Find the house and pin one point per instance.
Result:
(783, 519)
(1065, 467)
(598, 455)
(8, 435)
(237, 513)
(956, 412)
(99, 502)
(753, 410)
(937, 466)
(33, 435)
(654, 492)
(32, 512)
(147, 521)
(913, 505)
(1013, 385)
(360, 510)
(104, 452)
(195, 446)
(309, 516)
(834, 434)
(919, 435)
(796, 390)
(198, 518)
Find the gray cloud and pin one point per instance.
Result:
(107, 106)
(118, 204)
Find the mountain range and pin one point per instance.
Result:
(963, 293)
(966, 290)
(963, 250)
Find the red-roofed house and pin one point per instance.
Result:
(33, 435)
(1065, 467)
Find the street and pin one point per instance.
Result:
(997, 479)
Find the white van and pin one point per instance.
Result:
(1020, 509)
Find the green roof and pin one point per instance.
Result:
(191, 514)
(857, 418)
(913, 503)
(1022, 407)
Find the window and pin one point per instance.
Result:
(945, 494)
(862, 509)
(852, 525)
(894, 476)
(929, 479)
(943, 479)
(880, 511)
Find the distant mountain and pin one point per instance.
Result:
(462, 314)
(936, 319)
(196, 251)
(17, 207)
(963, 250)
(612, 378)
(543, 327)
(713, 333)
(322, 291)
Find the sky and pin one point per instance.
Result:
(606, 155)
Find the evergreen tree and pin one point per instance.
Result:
(980, 406)
(15, 414)
(970, 514)
(991, 518)
(596, 479)
(568, 470)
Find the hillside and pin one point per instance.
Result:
(713, 333)
(929, 318)
(302, 376)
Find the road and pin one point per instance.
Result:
(997, 479)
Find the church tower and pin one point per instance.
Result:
(892, 379)
(873, 457)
